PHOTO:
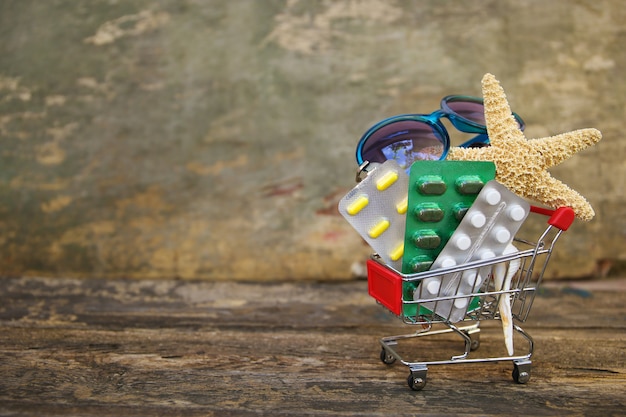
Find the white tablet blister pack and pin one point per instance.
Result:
(488, 227)
(376, 209)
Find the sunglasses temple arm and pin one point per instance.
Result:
(482, 138)
(361, 172)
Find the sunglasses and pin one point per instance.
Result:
(410, 137)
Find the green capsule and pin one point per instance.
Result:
(426, 239)
(459, 211)
(431, 185)
(429, 212)
(420, 263)
(469, 184)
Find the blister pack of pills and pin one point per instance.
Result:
(439, 195)
(376, 209)
(485, 231)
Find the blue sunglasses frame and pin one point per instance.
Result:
(437, 131)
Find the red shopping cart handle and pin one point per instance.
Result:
(561, 218)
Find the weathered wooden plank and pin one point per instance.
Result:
(97, 347)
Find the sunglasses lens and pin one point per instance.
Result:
(469, 110)
(405, 142)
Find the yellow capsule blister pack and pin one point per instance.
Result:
(376, 209)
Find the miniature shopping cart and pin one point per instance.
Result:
(397, 292)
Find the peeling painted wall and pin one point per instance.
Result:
(213, 139)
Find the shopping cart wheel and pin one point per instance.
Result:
(474, 336)
(475, 341)
(521, 372)
(386, 357)
(417, 379)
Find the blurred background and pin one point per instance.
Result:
(213, 139)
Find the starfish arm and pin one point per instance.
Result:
(556, 149)
(521, 164)
(467, 154)
(554, 193)
(501, 125)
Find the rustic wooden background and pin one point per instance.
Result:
(213, 139)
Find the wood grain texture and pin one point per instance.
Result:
(99, 348)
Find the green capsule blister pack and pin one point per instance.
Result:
(439, 195)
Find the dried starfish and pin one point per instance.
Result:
(521, 164)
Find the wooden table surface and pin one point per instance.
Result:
(133, 348)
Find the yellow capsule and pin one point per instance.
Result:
(402, 206)
(357, 205)
(386, 180)
(379, 228)
(397, 252)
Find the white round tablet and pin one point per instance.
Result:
(463, 242)
(502, 235)
(469, 277)
(516, 212)
(433, 287)
(448, 262)
(460, 302)
(492, 197)
(478, 220)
